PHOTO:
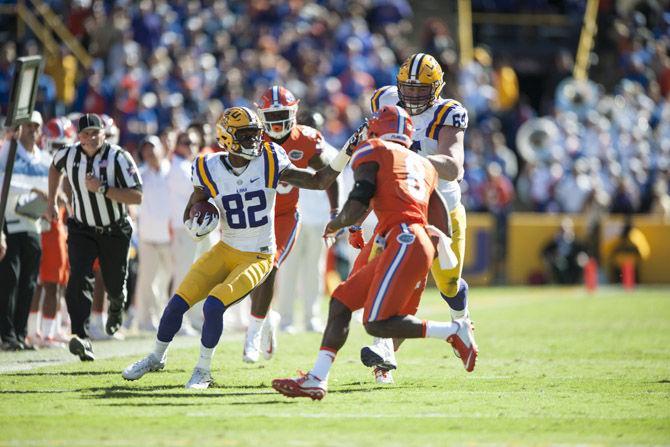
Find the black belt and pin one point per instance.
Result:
(104, 229)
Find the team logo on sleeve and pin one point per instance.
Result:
(405, 238)
(295, 155)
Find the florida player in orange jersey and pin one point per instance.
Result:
(304, 145)
(400, 186)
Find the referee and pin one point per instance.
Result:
(104, 181)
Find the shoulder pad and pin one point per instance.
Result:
(448, 113)
(384, 96)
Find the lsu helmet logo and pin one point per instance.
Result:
(239, 131)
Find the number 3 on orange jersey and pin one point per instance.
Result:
(416, 178)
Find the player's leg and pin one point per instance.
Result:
(453, 288)
(250, 271)
(347, 297)
(35, 336)
(390, 312)
(97, 327)
(260, 332)
(205, 273)
(49, 311)
(261, 298)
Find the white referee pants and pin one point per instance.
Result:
(153, 280)
(301, 276)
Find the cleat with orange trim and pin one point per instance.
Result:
(269, 334)
(383, 376)
(306, 385)
(463, 342)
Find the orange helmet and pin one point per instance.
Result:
(111, 129)
(392, 123)
(59, 132)
(277, 109)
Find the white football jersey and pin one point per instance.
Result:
(444, 112)
(246, 201)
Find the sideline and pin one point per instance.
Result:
(104, 349)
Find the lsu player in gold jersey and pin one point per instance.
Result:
(242, 182)
(439, 133)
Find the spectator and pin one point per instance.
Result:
(155, 259)
(19, 267)
(631, 246)
(564, 256)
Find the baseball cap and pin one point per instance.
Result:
(89, 121)
(36, 118)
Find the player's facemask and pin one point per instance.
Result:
(415, 98)
(249, 140)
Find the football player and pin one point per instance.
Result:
(242, 181)
(303, 145)
(399, 184)
(439, 132)
(54, 267)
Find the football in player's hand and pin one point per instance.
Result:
(200, 209)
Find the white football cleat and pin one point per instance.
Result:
(380, 353)
(97, 332)
(201, 379)
(150, 363)
(383, 376)
(269, 334)
(306, 385)
(252, 347)
(463, 342)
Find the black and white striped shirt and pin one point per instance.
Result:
(112, 165)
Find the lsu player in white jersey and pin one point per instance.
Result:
(242, 182)
(439, 133)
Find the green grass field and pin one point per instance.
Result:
(556, 366)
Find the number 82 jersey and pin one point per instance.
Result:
(246, 201)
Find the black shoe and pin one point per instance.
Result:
(114, 318)
(82, 347)
(12, 345)
(27, 346)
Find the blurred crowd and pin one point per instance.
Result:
(163, 71)
(161, 67)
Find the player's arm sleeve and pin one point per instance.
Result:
(451, 113)
(201, 177)
(127, 174)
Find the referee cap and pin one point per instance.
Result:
(89, 121)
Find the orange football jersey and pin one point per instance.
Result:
(301, 145)
(405, 181)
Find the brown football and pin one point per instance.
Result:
(200, 209)
(438, 213)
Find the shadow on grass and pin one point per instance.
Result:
(166, 391)
(62, 373)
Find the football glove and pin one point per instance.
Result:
(356, 237)
(360, 135)
(199, 231)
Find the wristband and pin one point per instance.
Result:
(340, 161)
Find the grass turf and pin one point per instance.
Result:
(556, 366)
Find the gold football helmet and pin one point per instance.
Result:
(240, 131)
(419, 82)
